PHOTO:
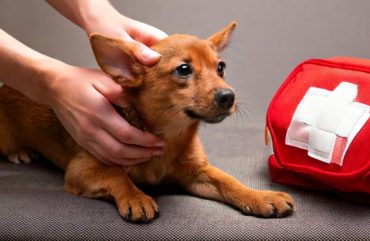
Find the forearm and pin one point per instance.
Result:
(86, 13)
(24, 69)
(101, 17)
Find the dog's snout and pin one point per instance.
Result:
(224, 98)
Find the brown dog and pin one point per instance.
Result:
(168, 99)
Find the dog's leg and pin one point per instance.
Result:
(87, 177)
(210, 182)
(8, 146)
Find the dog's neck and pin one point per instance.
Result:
(168, 132)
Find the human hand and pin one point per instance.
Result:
(101, 17)
(79, 97)
(87, 109)
(118, 26)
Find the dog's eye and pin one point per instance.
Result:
(221, 68)
(184, 71)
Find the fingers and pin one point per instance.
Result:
(144, 54)
(85, 111)
(125, 133)
(121, 154)
(151, 35)
(115, 124)
(144, 36)
(146, 33)
(119, 142)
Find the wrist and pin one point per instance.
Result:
(48, 79)
(106, 20)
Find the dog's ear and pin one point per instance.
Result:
(219, 40)
(115, 57)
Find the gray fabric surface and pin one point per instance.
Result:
(34, 206)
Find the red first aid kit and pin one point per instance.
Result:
(318, 126)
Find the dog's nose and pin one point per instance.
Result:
(224, 98)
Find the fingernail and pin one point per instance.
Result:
(149, 54)
(158, 152)
(160, 144)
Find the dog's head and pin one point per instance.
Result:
(186, 86)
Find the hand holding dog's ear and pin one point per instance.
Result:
(141, 35)
(219, 40)
(144, 36)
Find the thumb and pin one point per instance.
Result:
(112, 91)
(145, 55)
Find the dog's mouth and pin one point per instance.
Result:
(209, 119)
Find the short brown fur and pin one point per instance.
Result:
(157, 100)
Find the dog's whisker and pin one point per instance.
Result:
(244, 108)
(241, 112)
(242, 102)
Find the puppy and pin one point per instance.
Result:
(169, 99)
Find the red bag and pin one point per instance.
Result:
(318, 126)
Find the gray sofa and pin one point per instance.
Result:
(272, 37)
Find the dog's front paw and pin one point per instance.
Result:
(139, 208)
(269, 204)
